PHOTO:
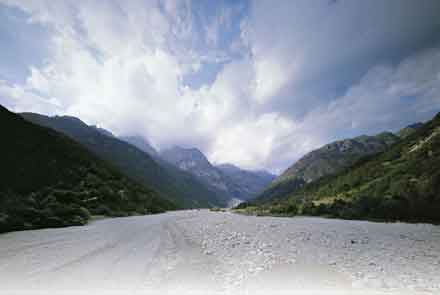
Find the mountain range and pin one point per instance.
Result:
(227, 179)
(49, 180)
(401, 182)
(57, 171)
(245, 184)
(184, 176)
(174, 184)
(141, 144)
(329, 159)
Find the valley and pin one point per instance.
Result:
(202, 252)
(233, 147)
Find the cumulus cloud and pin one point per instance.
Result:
(290, 77)
(387, 97)
(18, 98)
(305, 51)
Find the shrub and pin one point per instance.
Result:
(243, 205)
(102, 210)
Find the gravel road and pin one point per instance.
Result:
(202, 252)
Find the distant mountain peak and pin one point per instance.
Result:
(245, 184)
(228, 166)
(186, 151)
(70, 118)
(142, 144)
(233, 181)
(232, 167)
(103, 131)
(185, 157)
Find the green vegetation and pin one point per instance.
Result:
(402, 183)
(280, 189)
(217, 209)
(286, 208)
(409, 130)
(178, 186)
(327, 160)
(48, 180)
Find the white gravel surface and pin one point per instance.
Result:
(201, 252)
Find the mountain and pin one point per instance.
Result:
(408, 130)
(141, 144)
(103, 131)
(195, 162)
(329, 159)
(245, 184)
(178, 186)
(337, 155)
(234, 183)
(402, 183)
(48, 180)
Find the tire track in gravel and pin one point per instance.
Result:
(181, 267)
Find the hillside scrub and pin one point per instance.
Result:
(401, 183)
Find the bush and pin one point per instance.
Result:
(52, 221)
(77, 220)
(243, 205)
(216, 209)
(284, 209)
(102, 210)
(3, 222)
(308, 208)
(83, 213)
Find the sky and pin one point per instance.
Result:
(253, 83)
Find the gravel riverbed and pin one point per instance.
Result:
(386, 258)
(203, 252)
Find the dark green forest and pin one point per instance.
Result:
(48, 180)
(177, 185)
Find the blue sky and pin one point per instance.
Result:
(254, 83)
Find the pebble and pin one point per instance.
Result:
(249, 244)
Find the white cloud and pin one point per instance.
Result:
(122, 65)
(270, 77)
(303, 49)
(386, 97)
(17, 98)
(253, 143)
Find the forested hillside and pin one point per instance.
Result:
(402, 183)
(48, 180)
(327, 160)
(178, 186)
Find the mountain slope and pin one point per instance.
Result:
(409, 130)
(141, 144)
(50, 180)
(186, 179)
(195, 162)
(245, 184)
(330, 159)
(402, 183)
(133, 162)
(229, 181)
